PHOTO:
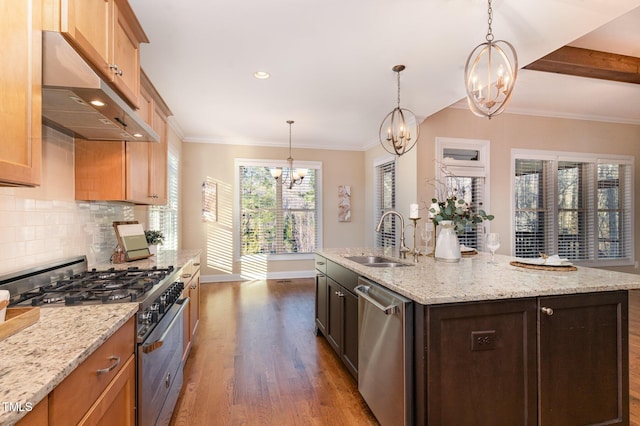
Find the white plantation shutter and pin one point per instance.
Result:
(533, 221)
(580, 208)
(385, 200)
(274, 219)
(614, 217)
(472, 190)
(165, 218)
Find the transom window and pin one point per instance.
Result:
(578, 207)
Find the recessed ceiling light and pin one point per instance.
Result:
(261, 75)
(97, 102)
(137, 135)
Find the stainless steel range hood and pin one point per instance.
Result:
(69, 86)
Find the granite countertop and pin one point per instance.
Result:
(164, 258)
(473, 278)
(35, 360)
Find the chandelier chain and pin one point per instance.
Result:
(398, 88)
(489, 37)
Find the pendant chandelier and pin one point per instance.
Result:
(291, 177)
(399, 130)
(490, 74)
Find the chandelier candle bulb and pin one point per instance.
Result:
(414, 211)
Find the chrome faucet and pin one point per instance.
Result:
(403, 247)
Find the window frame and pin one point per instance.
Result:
(253, 162)
(480, 168)
(592, 211)
(381, 161)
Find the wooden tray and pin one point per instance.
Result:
(17, 319)
(557, 268)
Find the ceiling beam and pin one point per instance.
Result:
(590, 63)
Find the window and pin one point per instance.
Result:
(273, 219)
(385, 200)
(463, 170)
(573, 205)
(165, 218)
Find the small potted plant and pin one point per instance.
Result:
(154, 238)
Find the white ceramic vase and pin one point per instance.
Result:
(447, 245)
(153, 249)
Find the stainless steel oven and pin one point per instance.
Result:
(160, 367)
(159, 325)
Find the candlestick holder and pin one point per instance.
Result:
(415, 251)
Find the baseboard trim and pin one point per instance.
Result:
(219, 278)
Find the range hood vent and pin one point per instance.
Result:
(69, 86)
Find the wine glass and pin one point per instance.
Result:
(493, 243)
(427, 237)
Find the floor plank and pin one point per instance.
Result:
(256, 361)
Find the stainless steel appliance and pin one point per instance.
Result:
(385, 353)
(70, 89)
(159, 318)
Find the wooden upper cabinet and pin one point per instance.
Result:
(135, 172)
(127, 36)
(158, 153)
(21, 94)
(108, 35)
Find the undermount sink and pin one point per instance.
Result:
(376, 261)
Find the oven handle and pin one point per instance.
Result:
(150, 347)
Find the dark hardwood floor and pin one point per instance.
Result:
(256, 361)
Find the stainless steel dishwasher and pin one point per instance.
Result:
(385, 353)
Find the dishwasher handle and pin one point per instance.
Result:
(363, 291)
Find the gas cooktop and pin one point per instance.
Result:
(70, 283)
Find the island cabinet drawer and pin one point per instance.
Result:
(343, 276)
(321, 264)
(72, 398)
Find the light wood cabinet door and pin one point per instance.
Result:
(126, 53)
(75, 399)
(194, 308)
(87, 25)
(158, 153)
(38, 416)
(137, 163)
(21, 94)
(116, 405)
(100, 172)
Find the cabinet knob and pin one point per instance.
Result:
(548, 311)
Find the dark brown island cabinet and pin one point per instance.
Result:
(337, 310)
(549, 361)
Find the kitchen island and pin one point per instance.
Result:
(499, 344)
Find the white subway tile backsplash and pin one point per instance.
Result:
(7, 202)
(38, 225)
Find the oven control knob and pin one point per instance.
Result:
(154, 309)
(145, 317)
